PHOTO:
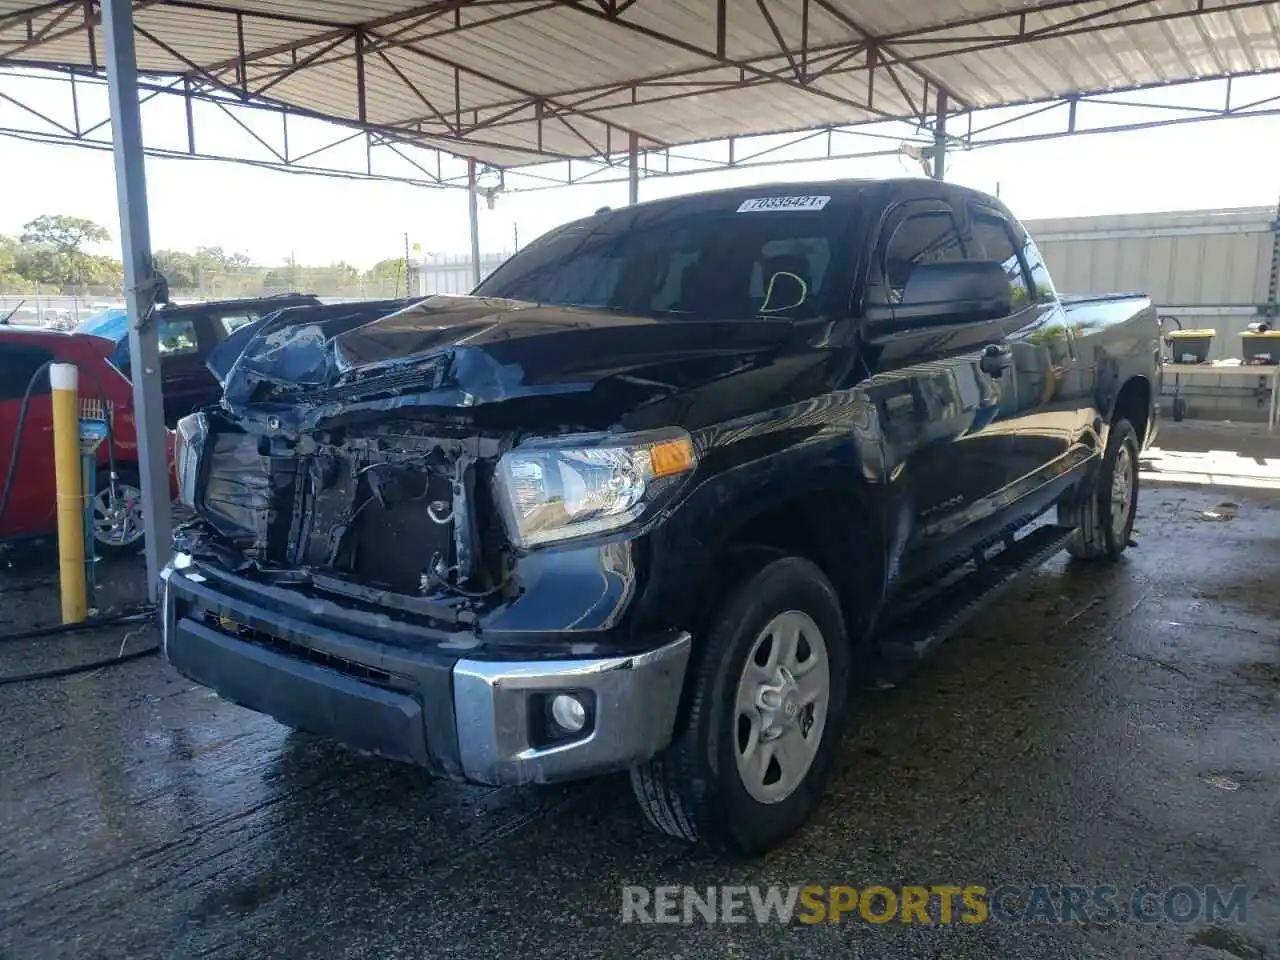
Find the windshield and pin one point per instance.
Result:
(705, 264)
(112, 323)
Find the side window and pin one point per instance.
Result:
(929, 237)
(228, 324)
(1039, 272)
(17, 364)
(994, 242)
(177, 337)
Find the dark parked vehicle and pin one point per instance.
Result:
(188, 334)
(661, 495)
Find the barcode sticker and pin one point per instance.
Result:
(760, 204)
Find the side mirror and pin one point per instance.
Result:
(938, 294)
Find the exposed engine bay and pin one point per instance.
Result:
(390, 506)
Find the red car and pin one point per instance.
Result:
(32, 506)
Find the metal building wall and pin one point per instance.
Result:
(1216, 257)
(1208, 268)
(451, 273)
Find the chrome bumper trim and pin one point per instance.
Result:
(636, 699)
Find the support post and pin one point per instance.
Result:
(63, 379)
(1273, 285)
(139, 282)
(633, 173)
(473, 213)
(940, 138)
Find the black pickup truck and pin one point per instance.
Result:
(660, 496)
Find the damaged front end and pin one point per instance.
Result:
(384, 513)
(413, 457)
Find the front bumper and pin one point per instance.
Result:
(473, 719)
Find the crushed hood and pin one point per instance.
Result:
(307, 366)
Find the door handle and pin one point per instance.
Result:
(996, 359)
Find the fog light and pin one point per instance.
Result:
(568, 713)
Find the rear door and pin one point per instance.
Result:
(1039, 412)
(32, 504)
(186, 381)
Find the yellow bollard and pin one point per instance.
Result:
(64, 379)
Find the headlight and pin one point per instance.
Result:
(552, 490)
(192, 431)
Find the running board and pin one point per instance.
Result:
(907, 639)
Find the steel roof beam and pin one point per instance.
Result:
(746, 66)
(1076, 26)
(424, 14)
(880, 43)
(459, 69)
(92, 19)
(509, 114)
(389, 41)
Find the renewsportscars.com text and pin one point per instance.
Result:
(970, 904)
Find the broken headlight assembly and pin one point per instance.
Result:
(556, 489)
(191, 433)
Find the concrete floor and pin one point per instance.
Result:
(1113, 726)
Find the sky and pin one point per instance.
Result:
(274, 215)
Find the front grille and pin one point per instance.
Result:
(298, 651)
(423, 377)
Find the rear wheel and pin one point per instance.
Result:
(1104, 518)
(766, 703)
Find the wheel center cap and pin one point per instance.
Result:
(779, 702)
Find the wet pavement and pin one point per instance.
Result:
(1100, 726)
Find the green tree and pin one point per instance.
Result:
(385, 278)
(68, 234)
(67, 237)
(217, 257)
(337, 279)
(43, 263)
(10, 279)
(179, 268)
(103, 272)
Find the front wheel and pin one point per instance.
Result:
(1104, 518)
(766, 703)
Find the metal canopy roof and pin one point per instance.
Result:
(517, 82)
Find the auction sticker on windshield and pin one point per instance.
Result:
(758, 204)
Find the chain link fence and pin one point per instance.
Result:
(447, 274)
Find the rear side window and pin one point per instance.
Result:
(921, 238)
(17, 364)
(229, 323)
(994, 242)
(177, 337)
(1040, 278)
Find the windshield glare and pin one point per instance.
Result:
(702, 264)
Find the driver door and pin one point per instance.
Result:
(938, 389)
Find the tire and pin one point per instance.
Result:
(127, 543)
(697, 790)
(1101, 533)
